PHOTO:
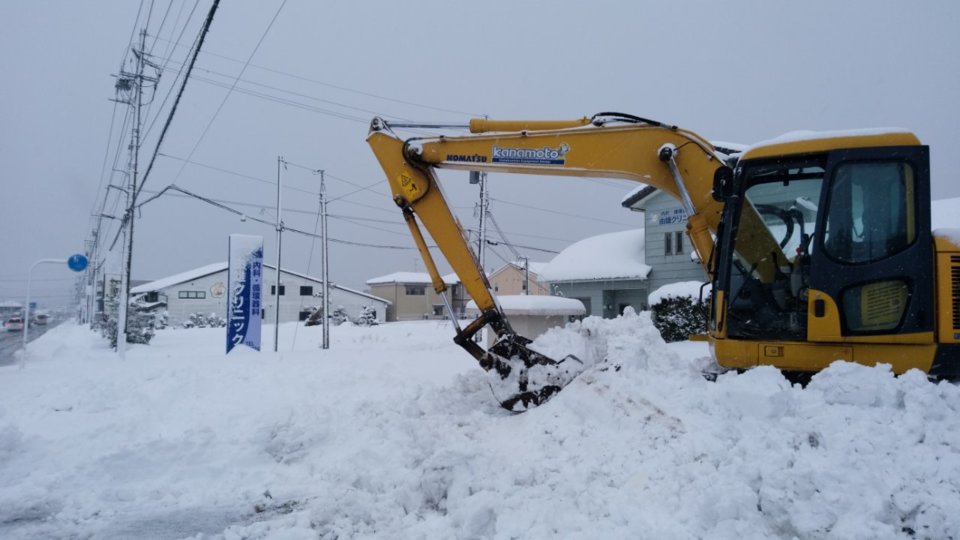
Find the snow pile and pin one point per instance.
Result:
(534, 304)
(681, 289)
(393, 433)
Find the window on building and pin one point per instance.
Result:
(152, 296)
(306, 290)
(192, 295)
(668, 243)
(678, 243)
(273, 290)
(416, 290)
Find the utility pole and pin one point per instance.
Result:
(325, 265)
(131, 83)
(276, 326)
(481, 178)
(526, 275)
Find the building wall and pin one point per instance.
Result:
(213, 290)
(665, 215)
(510, 280)
(605, 298)
(411, 307)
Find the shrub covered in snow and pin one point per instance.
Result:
(200, 320)
(368, 316)
(141, 323)
(676, 310)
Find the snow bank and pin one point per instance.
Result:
(393, 433)
(535, 304)
(689, 289)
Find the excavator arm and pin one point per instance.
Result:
(608, 145)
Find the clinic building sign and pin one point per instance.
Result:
(244, 290)
(670, 216)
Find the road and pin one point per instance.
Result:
(10, 342)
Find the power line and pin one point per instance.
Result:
(235, 173)
(344, 88)
(227, 96)
(176, 101)
(566, 214)
(168, 56)
(213, 202)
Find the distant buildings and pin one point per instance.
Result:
(515, 277)
(666, 247)
(204, 290)
(412, 297)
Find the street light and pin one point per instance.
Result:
(77, 263)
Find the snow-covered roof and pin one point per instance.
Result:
(418, 278)
(203, 271)
(10, 304)
(537, 304)
(354, 291)
(618, 255)
(806, 135)
(182, 277)
(450, 278)
(636, 193)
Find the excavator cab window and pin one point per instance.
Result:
(770, 262)
(855, 235)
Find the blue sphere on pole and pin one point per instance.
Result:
(77, 263)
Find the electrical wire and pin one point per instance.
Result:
(237, 174)
(229, 92)
(346, 89)
(212, 202)
(176, 101)
(566, 214)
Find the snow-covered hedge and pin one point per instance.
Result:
(676, 311)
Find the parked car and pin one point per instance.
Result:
(13, 323)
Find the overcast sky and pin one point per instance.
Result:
(731, 71)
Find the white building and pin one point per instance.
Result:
(204, 290)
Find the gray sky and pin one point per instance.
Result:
(732, 71)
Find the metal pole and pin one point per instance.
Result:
(26, 307)
(325, 249)
(132, 201)
(484, 202)
(526, 275)
(276, 325)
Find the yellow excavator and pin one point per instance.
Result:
(817, 247)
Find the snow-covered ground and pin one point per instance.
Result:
(393, 433)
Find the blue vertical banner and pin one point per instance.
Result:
(244, 290)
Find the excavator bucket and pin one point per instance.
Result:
(527, 378)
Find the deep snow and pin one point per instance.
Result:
(393, 433)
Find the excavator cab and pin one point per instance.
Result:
(851, 266)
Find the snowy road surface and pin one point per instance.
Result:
(393, 433)
(11, 342)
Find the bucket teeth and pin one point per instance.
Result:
(528, 377)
